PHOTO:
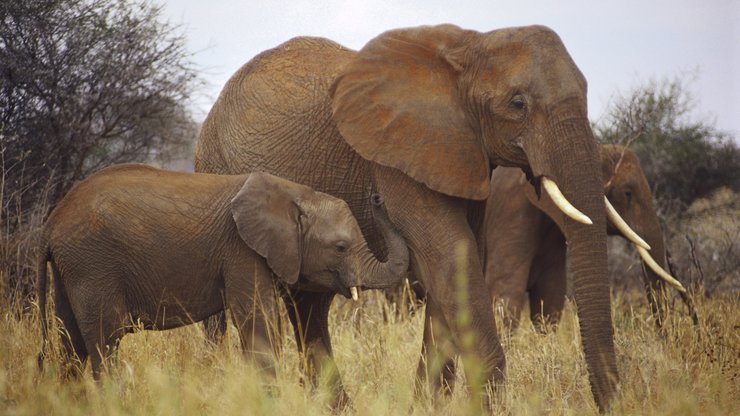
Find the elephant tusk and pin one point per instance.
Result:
(659, 270)
(622, 226)
(353, 291)
(561, 202)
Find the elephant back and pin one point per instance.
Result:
(274, 115)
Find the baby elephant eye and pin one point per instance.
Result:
(341, 247)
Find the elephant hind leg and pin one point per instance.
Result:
(75, 352)
(102, 324)
(104, 344)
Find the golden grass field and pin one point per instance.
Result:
(688, 370)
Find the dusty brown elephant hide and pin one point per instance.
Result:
(134, 244)
(422, 115)
(526, 250)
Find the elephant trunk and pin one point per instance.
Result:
(376, 274)
(568, 155)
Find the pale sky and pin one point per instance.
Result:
(617, 45)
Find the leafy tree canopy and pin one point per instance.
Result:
(84, 84)
(684, 158)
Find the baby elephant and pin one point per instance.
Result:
(135, 244)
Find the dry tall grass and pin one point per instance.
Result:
(688, 370)
(704, 245)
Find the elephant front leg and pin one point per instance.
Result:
(309, 314)
(460, 310)
(509, 295)
(251, 298)
(214, 327)
(437, 364)
(445, 259)
(547, 281)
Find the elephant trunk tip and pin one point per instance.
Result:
(391, 272)
(376, 199)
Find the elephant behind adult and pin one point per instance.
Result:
(422, 115)
(526, 249)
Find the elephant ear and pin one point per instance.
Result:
(397, 103)
(267, 218)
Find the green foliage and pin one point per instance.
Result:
(683, 158)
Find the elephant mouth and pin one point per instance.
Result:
(340, 286)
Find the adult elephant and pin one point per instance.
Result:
(526, 253)
(422, 115)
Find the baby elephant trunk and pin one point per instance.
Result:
(373, 273)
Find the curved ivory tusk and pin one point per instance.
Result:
(659, 270)
(561, 202)
(622, 226)
(353, 291)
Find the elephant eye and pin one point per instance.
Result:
(518, 102)
(340, 247)
(628, 194)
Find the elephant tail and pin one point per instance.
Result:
(44, 256)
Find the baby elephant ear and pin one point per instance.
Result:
(268, 220)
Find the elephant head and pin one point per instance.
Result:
(303, 232)
(628, 192)
(444, 105)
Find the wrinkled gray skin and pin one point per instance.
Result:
(526, 250)
(421, 115)
(135, 244)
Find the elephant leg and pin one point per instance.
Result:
(509, 294)
(461, 298)
(102, 334)
(74, 350)
(437, 352)
(548, 281)
(102, 318)
(513, 233)
(407, 297)
(214, 327)
(445, 258)
(309, 314)
(250, 297)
